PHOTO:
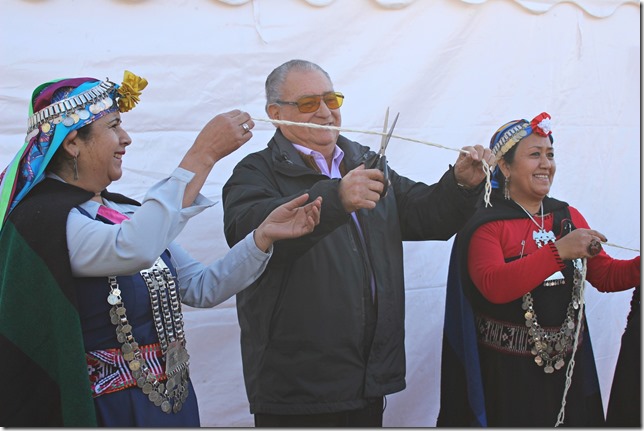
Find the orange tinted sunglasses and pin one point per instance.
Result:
(308, 104)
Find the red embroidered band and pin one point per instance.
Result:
(109, 372)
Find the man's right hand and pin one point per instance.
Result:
(361, 188)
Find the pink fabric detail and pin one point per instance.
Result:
(112, 215)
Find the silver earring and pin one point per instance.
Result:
(75, 168)
(506, 191)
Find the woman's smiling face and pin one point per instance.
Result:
(99, 159)
(532, 171)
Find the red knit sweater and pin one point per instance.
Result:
(500, 282)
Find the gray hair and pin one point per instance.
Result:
(276, 78)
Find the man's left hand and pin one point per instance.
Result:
(468, 168)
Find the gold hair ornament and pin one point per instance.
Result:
(130, 91)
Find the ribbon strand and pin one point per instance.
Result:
(486, 166)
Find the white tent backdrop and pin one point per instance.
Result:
(455, 70)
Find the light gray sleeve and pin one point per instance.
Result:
(206, 286)
(99, 249)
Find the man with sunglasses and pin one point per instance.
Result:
(322, 331)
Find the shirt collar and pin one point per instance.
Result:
(338, 155)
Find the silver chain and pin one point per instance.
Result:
(169, 327)
(550, 349)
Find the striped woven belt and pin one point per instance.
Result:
(508, 337)
(109, 372)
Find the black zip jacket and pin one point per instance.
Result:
(312, 339)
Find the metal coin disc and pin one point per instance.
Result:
(166, 407)
(152, 396)
(184, 395)
(172, 383)
(177, 407)
(113, 299)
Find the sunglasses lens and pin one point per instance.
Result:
(333, 100)
(308, 104)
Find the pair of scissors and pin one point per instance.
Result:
(378, 160)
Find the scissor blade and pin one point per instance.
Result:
(384, 129)
(385, 140)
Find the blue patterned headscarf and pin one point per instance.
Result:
(57, 108)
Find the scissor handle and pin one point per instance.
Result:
(372, 161)
(378, 161)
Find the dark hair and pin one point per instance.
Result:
(60, 159)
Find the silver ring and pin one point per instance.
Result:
(245, 127)
(594, 247)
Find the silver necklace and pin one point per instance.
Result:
(166, 308)
(551, 347)
(542, 236)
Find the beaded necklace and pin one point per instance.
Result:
(550, 348)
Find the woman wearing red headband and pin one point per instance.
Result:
(514, 324)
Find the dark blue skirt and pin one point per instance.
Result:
(132, 408)
(129, 407)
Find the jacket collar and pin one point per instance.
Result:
(288, 160)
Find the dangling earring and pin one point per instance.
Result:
(506, 191)
(75, 168)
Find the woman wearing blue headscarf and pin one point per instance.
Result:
(91, 327)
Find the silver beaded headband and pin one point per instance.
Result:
(73, 109)
(510, 139)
